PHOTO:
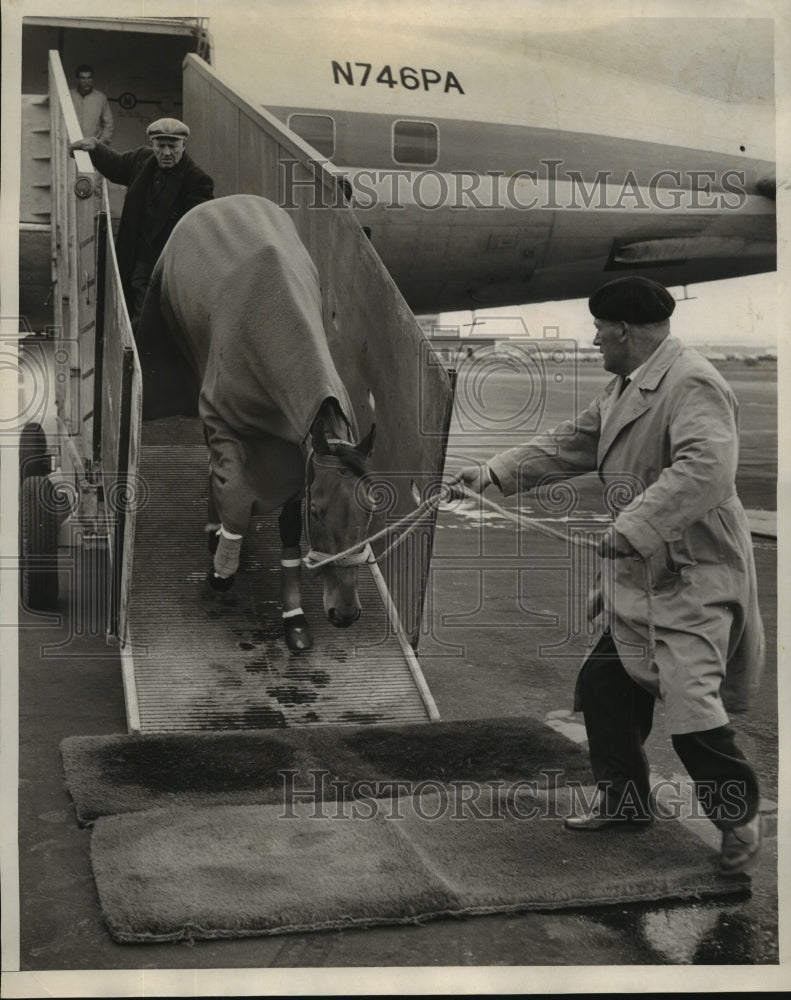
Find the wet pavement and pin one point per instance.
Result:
(81, 694)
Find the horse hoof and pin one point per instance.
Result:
(220, 584)
(298, 634)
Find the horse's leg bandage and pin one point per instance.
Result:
(226, 558)
(295, 624)
(291, 590)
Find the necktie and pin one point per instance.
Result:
(626, 382)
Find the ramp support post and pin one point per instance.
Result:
(120, 500)
(406, 648)
(98, 363)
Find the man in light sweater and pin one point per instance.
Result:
(92, 107)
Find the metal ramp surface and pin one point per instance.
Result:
(199, 661)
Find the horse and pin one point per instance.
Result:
(231, 329)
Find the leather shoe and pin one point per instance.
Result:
(597, 820)
(740, 844)
(298, 635)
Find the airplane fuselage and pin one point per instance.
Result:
(498, 214)
(497, 161)
(521, 160)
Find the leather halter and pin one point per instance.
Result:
(316, 555)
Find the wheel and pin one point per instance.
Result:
(38, 548)
(34, 459)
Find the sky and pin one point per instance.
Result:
(737, 311)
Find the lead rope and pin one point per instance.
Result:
(648, 578)
(421, 512)
(518, 517)
(418, 514)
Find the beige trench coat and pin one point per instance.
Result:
(684, 614)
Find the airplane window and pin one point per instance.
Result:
(415, 142)
(318, 130)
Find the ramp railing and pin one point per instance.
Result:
(124, 492)
(376, 343)
(73, 266)
(98, 379)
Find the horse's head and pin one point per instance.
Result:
(338, 513)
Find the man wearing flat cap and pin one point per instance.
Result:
(163, 183)
(677, 596)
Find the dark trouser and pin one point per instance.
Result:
(139, 281)
(618, 717)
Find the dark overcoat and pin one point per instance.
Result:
(186, 186)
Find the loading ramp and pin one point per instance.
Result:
(197, 660)
(192, 660)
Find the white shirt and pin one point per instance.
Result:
(633, 375)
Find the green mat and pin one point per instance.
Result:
(107, 775)
(239, 871)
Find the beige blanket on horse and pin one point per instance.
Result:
(233, 323)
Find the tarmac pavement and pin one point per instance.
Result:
(492, 670)
(504, 636)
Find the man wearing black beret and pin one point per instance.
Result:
(163, 183)
(677, 600)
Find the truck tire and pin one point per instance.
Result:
(34, 459)
(38, 549)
